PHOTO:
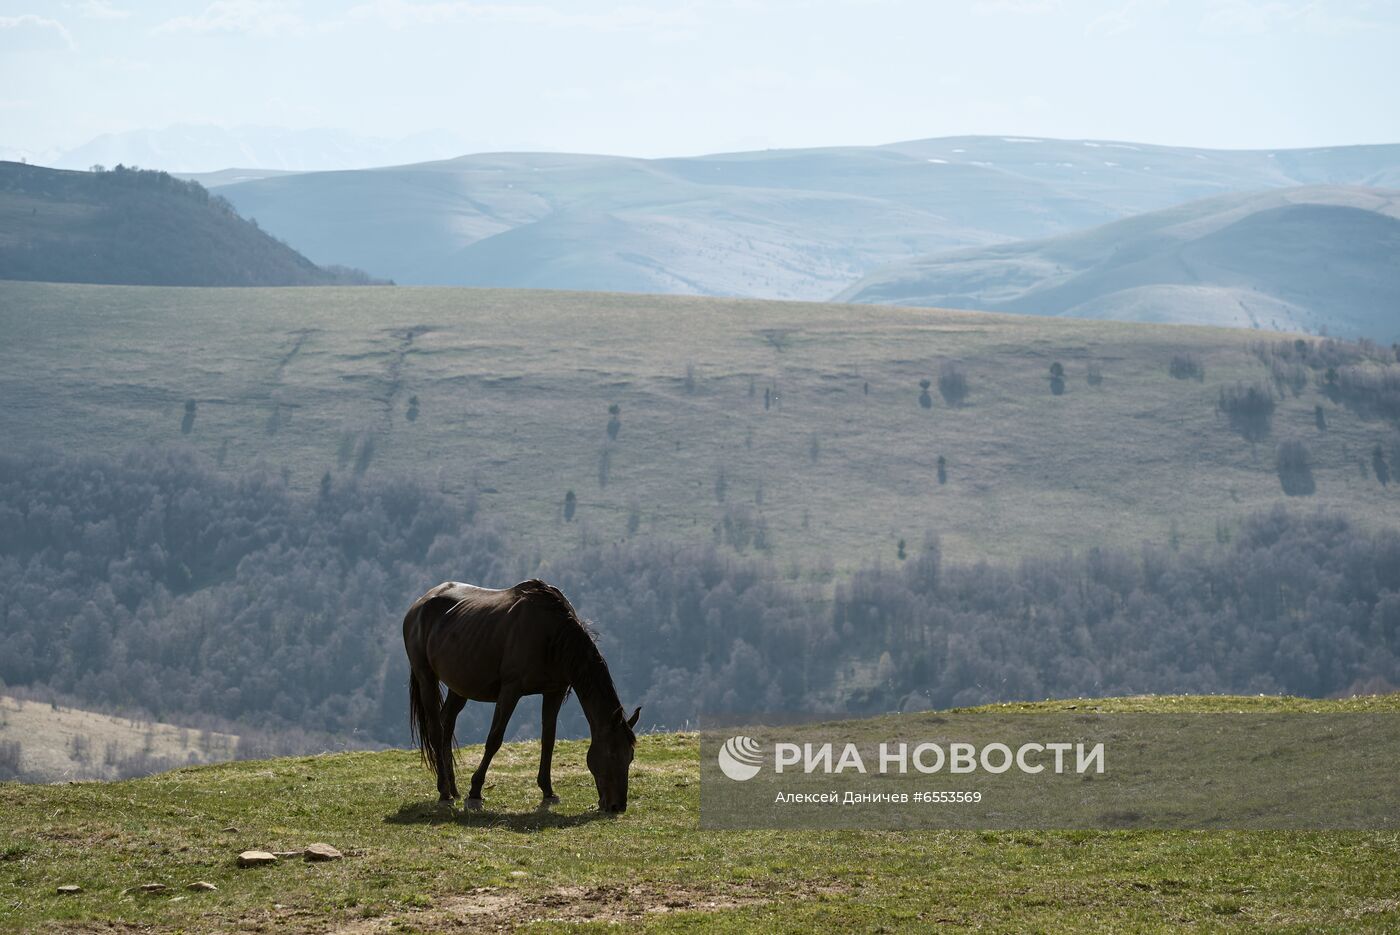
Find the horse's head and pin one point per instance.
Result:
(610, 758)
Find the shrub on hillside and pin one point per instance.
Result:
(1187, 367)
(1250, 410)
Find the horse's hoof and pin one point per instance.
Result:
(549, 800)
(473, 805)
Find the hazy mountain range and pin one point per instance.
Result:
(1318, 259)
(207, 148)
(1293, 239)
(793, 224)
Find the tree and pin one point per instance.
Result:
(614, 422)
(570, 505)
(604, 465)
(942, 470)
(1295, 469)
(925, 399)
(1057, 378)
(187, 423)
(952, 384)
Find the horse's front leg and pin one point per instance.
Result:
(549, 717)
(505, 707)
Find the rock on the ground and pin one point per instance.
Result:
(322, 852)
(69, 889)
(256, 859)
(201, 886)
(153, 887)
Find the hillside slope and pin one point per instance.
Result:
(410, 865)
(786, 224)
(805, 420)
(50, 742)
(1321, 258)
(138, 227)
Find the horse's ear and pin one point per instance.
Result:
(632, 721)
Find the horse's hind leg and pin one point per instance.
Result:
(450, 709)
(549, 718)
(505, 707)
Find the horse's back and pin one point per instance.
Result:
(465, 634)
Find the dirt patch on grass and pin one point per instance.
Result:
(503, 909)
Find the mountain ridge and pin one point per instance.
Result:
(787, 224)
(1315, 258)
(139, 227)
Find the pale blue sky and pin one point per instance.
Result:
(689, 77)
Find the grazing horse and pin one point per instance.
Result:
(489, 645)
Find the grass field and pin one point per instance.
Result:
(57, 742)
(411, 866)
(513, 390)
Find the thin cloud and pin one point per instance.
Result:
(1121, 19)
(401, 14)
(1015, 7)
(251, 17)
(1259, 17)
(102, 9)
(38, 27)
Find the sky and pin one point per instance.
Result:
(678, 78)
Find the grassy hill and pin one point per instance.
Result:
(1311, 259)
(138, 227)
(502, 397)
(784, 224)
(49, 742)
(411, 866)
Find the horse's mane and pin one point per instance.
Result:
(544, 593)
(575, 643)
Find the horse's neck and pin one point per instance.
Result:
(596, 693)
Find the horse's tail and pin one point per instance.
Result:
(424, 705)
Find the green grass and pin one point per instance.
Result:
(411, 866)
(514, 389)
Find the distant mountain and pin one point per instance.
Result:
(1321, 258)
(138, 228)
(791, 224)
(194, 148)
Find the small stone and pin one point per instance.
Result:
(519, 873)
(322, 852)
(256, 859)
(69, 889)
(281, 854)
(202, 886)
(153, 887)
(230, 830)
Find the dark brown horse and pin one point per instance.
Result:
(488, 645)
